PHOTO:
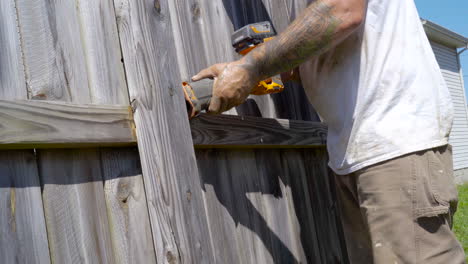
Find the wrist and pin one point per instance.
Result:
(249, 63)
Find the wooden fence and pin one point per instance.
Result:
(98, 163)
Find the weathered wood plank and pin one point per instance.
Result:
(72, 54)
(126, 206)
(46, 124)
(324, 207)
(166, 149)
(202, 34)
(37, 124)
(281, 206)
(214, 174)
(260, 208)
(23, 236)
(74, 206)
(225, 131)
(53, 51)
(296, 176)
(102, 50)
(12, 82)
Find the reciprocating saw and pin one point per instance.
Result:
(198, 94)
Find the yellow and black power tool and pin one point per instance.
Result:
(198, 94)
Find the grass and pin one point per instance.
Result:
(460, 223)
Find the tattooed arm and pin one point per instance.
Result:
(323, 24)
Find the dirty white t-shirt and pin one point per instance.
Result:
(381, 91)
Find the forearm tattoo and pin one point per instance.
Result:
(309, 35)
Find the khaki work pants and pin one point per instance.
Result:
(401, 211)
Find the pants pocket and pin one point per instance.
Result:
(435, 190)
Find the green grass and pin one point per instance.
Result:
(460, 223)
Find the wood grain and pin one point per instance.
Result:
(170, 172)
(53, 50)
(263, 207)
(37, 124)
(225, 131)
(74, 206)
(126, 207)
(104, 62)
(325, 208)
(71, 53)
(12, 82)
(23, 236)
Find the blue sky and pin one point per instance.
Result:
(451, 14)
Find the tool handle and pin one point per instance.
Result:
(198, 94)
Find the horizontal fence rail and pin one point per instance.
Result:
(44, 124)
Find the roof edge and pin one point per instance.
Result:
(440, 34)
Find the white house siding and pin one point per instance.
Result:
(449, 64)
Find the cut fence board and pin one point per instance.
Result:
(126, 206)
(170, 172)
(102, 50)
(23, 236)
(74, 206)
(35, 124)
(225, 131)
(53, 52)
(12, 82)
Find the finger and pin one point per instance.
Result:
(203, 74)
(211, 72)
(224, 106)
(215, 105)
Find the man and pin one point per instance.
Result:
(369, 70)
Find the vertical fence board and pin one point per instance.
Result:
(102, 51)
(72, 53)
(126, 207)
(325, 208)
(253, 188)
(169, 169)
(12, 83)
(297, 177)
(279, 206)
(53, 52)
(227, 246)
(74, 206)
(23, 236)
